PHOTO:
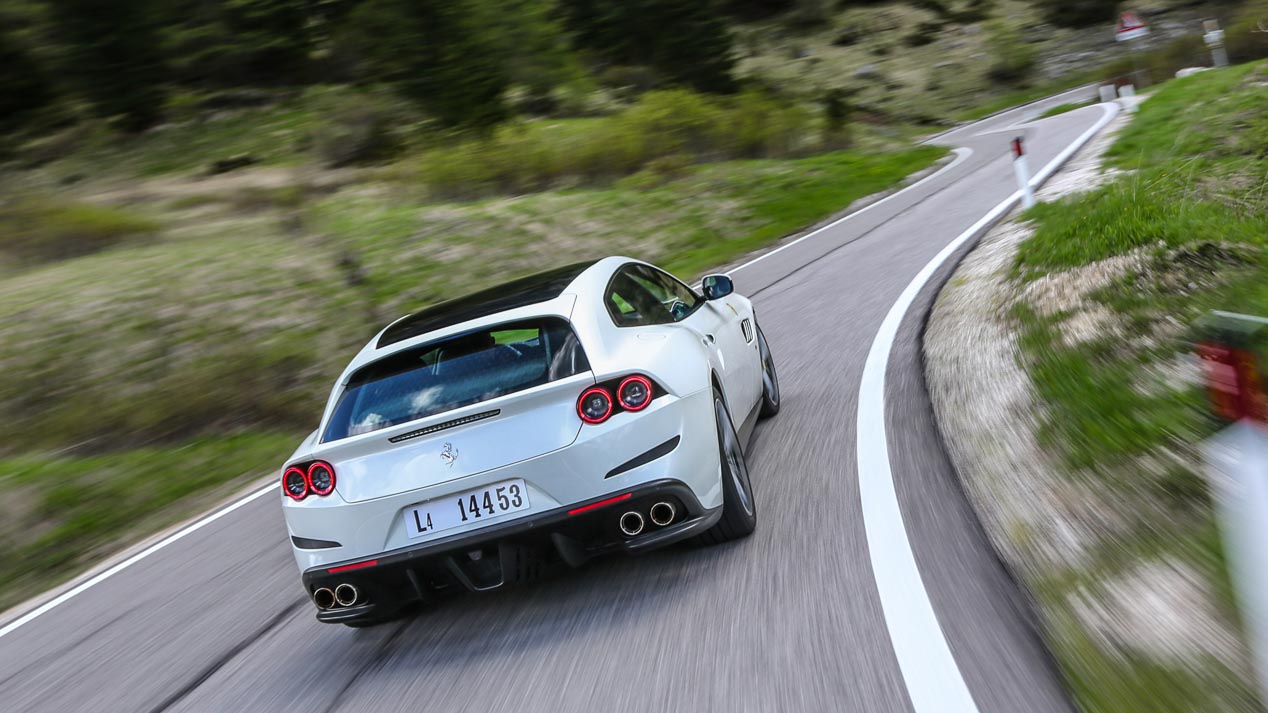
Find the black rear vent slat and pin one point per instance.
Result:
(447, 424)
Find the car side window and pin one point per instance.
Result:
(679, 300)
(639, 295)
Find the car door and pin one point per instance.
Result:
(718, 323)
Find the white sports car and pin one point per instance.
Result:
(598, 407)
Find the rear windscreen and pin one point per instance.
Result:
(454, 372)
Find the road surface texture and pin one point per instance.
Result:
(790, 619)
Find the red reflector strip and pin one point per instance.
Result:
(601, 503)
(346, 567)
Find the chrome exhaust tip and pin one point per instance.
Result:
(631, 523)
(324, 598)
(346, 595)
(662, 513)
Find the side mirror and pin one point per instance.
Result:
(717, 286)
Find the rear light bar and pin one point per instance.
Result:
(601, 503)
(631, 393)
(350, 567)
(304, 479)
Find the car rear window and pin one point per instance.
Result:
(457, 371)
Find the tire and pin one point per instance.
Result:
(739, 510)
(770, 379)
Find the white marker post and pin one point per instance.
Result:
(1214, 38)
(1022, 169)
(1237, 464)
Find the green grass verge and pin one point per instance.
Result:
(1193, 212)
(62, 512)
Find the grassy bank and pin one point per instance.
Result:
(147, 377)
(1113, 279)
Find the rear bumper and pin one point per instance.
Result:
(515, 551)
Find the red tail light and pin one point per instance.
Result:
(635, 393)
(595, 405)
(321, 478)
(295, 483)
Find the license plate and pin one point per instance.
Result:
(478, 505)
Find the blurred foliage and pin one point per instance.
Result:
(677, 123)
(112, 57)
(24, 88)
(686, 42)
(1080, 13)
(441, 54)
(47, 230)
(1012, 58)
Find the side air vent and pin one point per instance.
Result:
(446, 425)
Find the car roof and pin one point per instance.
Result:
(541, 287)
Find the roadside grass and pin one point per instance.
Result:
(1123, 403)
(142, 381)
(62, 512)
(1063, 109)
(42, 230)
(1025, 95)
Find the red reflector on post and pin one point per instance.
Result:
(346, 567)
(601, 503)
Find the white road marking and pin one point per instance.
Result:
(929, 670)
(112, 571)
(961, 155)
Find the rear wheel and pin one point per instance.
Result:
(739, 511)
(770, 380)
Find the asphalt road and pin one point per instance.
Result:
(787, 620)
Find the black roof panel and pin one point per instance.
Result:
(524, 291)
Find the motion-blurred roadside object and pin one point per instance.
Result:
(1131, 26)
(1213, 36)
(1021, 168)
(1232, 347)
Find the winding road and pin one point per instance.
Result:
(868, 586)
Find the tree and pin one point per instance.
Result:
(24, 87)
(438, 52)
(1079, 13)
(685, 41)
(112, 57)
(240, 42)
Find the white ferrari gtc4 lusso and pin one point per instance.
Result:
(599, 407)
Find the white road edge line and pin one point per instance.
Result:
(107, 574)
(934, 682)
(961, 155)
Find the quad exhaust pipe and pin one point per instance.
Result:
(324, 598)
(631, 523)
(662, 513)
(344, 595)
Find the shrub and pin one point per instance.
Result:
(677, 123)
(1079, 13)
(40, 230)
(1013, 59)
(1245, 37)
(357, 129)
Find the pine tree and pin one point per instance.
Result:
(112, 57)
(685, 41)
(24, 87)
(437, 52)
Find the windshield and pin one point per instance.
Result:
(454, 372)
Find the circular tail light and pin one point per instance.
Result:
(594, 406)
(635, 393)
(295, 483)
(321, 478)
